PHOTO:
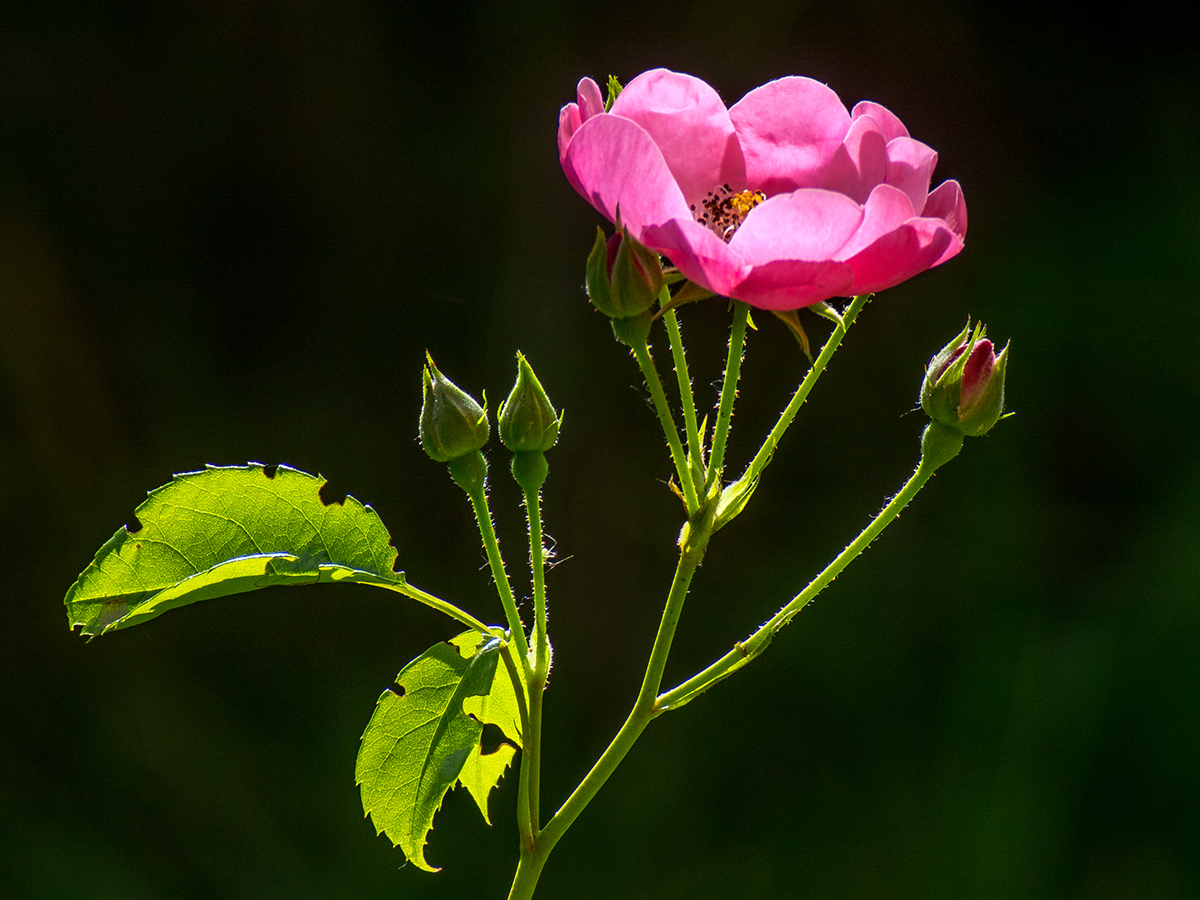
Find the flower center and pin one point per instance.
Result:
(724, 209)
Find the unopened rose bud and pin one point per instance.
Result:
(623, 277)
(964, 383)
(453, 424)
(527, 419)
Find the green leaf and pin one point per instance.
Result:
(223, 531)
(424, 737)
(483, 771)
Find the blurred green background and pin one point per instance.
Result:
(228, 232)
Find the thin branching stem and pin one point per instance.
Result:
(733, 370)
(483, 516)
(641, 352)
(686, 395)
(763, 457)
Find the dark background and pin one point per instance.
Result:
(228, 231)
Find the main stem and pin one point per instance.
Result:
(693, 543)
(644, 709)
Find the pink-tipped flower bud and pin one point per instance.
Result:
(964, 384)
(453, 424)
(623, 277)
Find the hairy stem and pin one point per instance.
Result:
(763, 457)
(686, 395)
(541, 662)
(745, 651)
(733, 370)
(641, 351)
(644, 710)
(483, 516)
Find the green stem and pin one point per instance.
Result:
(733, 369)
(939, 445)
(529, 870)
(763, 457)
(525, 823)
(641, 351)
(440, 605)
(686, 396)
(541, 663)
(483, 515)
(644, 710)
(537, 565)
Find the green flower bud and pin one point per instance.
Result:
(623, 277)
(527, 418)
(964, 383)
(452, 423)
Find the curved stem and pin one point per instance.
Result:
(439, 604)
(644, 708)
(733, 369)
(641, 351)
(533, 860)
(745, 651)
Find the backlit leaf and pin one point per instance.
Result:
(421, 740)
(223, 531)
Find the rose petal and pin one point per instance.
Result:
(977, 373)
(886, 209)
(591, 101)
(860, 163)
(915, 246)
(946, 202)
(789, 131)
(887, 120)
(792, 284)
(569, 121)
(910, 166)
(570, 117)
(809, 225)
(690, 125)
(848, 208)
(698, 253)
(614, 163)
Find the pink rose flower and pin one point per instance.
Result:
(782, 201)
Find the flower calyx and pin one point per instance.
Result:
(964, 383)
(624, 278)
